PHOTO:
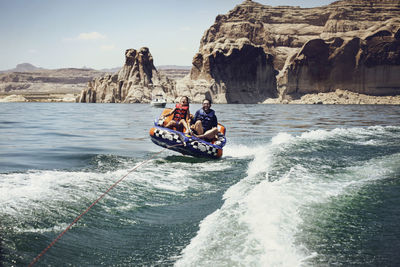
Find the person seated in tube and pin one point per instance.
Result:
(205, 123)
(181, 116)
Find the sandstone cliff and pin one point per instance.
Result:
(135, 82)
(262, 54)
(369, 66)
(351, 45)
(239, 72)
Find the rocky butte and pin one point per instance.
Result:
(135, 82)
(257, 53)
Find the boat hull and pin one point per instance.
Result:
(158, 104)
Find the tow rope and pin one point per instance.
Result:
(94, 203)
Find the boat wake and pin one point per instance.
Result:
(263, 219)
(60, 195)
(281, 200)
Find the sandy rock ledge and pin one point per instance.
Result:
(13, 98)
(339, 97)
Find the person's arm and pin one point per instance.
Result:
(188, 120)
(215, 121)
(196, 116)
(166, 115)
(188, 117)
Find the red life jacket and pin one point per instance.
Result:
(180, 112)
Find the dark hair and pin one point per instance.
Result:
(208, 99)
(188, 100)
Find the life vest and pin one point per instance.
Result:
(207, 119)
(180, 112)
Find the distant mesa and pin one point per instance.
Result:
(23, 67)
(44, 85)
(26, 67)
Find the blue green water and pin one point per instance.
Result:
(298, 185)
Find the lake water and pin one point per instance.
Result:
(298, 185)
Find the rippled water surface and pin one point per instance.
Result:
(298, 185)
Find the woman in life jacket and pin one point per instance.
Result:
(181, 117)
(205, 122)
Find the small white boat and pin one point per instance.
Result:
(158, 101)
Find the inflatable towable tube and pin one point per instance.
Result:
(186, 143)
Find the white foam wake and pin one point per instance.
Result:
(254, 227)
(260, 218)
(51, 193)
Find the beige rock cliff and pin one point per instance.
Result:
(13, 98)
(370, 66)
(135, 82)
(262, 54)
(237, 72)
(315, 50)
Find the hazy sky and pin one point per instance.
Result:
(95, 33)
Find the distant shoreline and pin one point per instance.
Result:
(340, 97)
(39, 97)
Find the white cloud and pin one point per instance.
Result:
(91, 36)
(107, 47)
(185, 29)
(32, 51)
(86, 36)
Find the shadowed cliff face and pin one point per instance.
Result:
(368, 66)
(283, 29)
(247, 74)
(241, 74)
(137, 80)
(346, 45)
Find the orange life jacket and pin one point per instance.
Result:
(180, 112)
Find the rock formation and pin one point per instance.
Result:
(23, 67)
(135, 82)
(239, 72)
(350, 45)
(262, 54)
(13, 98)
(370, 66)
(45, 85)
